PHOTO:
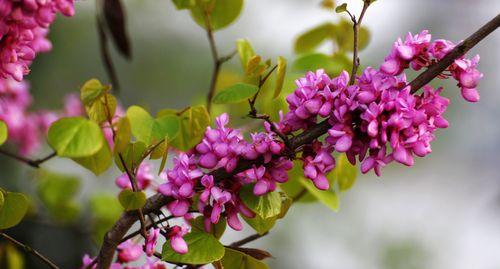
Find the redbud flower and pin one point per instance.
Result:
(151, 240)
(129, 251)
(176, 241)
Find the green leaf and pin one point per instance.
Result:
(132, 155)
(14, 258)
(314, 61)
(184, 4)
(344, 36)
(123, 135)
(344, 173)
(4, 132)
(293, 187)
(91, 91)
(221, 12)
(102, 109)
(132, 200)
(280, 76)
(266, 206)
(58, 193)
(308, 41)
(245, 51)
(216, 230)
(203, 248)
(149, 130)
(341, 8)
(234, 259)
(193, 123)
(261, 225)
(328, 197)
(99, 162)
(2, 199)
(14, 208)
(328, 4)
(234, 94)
(105, 210)
(75, 137)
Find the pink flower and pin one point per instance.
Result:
(144, 178)
(151, 240)
(176, 241)
(129, 251)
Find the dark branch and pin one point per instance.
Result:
(30, 250)
(33, 163)
(248, 239)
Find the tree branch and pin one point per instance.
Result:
(355, 27)
(155, 202)
(248, 239)
(33, 163)
(30, 250)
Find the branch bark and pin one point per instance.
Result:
(30, 250)
(154, 203)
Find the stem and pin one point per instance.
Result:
(248, 239)
(355, 27)
(33, 163)
(30, 250)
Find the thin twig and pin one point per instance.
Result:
(247, 239)
(30, 250)
(355, 27)
(33, 163)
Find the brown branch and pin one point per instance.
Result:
(33, 163)
(155, 202)
(355, 27)
(248, 239)
(30, 250)
(436, 69)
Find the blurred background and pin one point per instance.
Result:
(442, 213)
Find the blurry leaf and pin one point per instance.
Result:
(123, 135)
(266, 206)
(345, 173)
(293, 187)
(132, 200)
(314, 61)
(102, 109)
(261, 225)
(4, 132)
(149, 130)
(99, 162)
(105, 210)
(255, 67)
(341, 63)
(258, 254)
(245, 51)
(14, 257)
(164, 148)
(234, 94)
(203, 248)
(327, 197)
(285, 206)
(91, 91)
(184, 4)
(132, 155)
(328, 4)
(344, 36)
(280, 76)
(193, 123)
(75, 137)
(114, 14)
(216, 230)
(313, 38)
(2, 199)
(221, 12)
(58, 193)
(13, 210)
(341, 8)
(234, 259)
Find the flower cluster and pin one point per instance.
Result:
(417, 51)
(23, 29)
(377, 119)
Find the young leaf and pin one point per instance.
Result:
(203, 248)
(14, 208)
(341, 8)
(2, 199)
(221, 12)
(132, 200)
(245, 51)
(183, 4)
(344, 173)
(328, 4)
(4, 132)
(328, 197)
(280, 76)
(149, 130)
(75, 137)
(164, 149)
(99, 162)
(313, 38)
(123, 135)
(266, 206)
(234, 94)
(216, 230)
(132, 155)
(261, 225)
(105, 210)
(91, 91)
(102, 108)
(236, 259)
(58, 193)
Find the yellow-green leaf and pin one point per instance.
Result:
(4, 132)
(131, 200)
(99, 162)
(344, 173)
(236, 93)
(92, 90)
(266, 206)
(75, 137)
(123, 135)
(280, 76)
(261, 225)
(216, 230)
(203, 248)
(327, 197)
(150, 130)
(14, 208)
(221, 12)
(102, 109)
(234, 259)
(58, 193)
(245, 51)
(311, 39)
(132, 155)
